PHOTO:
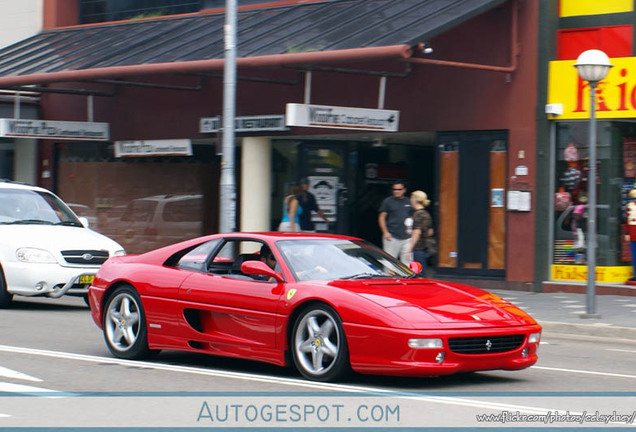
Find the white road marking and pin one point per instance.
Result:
(584, 372)
(9, 373)
(282, 381)
(621, 350)
(19, 388)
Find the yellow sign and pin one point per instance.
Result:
(578, 273)
(615, 95)
(594, 7)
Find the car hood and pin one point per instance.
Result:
(424, 302)
(56, 238)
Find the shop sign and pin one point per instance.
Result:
(59, 130)
(259, 123)
(176, 147)
(578, 273)
(615, 95)
(335, 117)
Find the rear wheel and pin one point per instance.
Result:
(124, 325)
(319, 346)
(6, 298)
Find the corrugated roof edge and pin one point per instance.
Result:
(187, 15)
(278, 60)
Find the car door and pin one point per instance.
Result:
(233, 313)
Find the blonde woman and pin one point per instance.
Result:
(422, 229)
(291, 211)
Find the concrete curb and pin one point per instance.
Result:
(605, 331)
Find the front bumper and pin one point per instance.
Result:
(386, 351)
(50, 280)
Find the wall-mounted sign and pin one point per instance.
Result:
(49, 129)
(519, 200)
(334, 117)
(245, 124)
(615, 95)
(175, 147)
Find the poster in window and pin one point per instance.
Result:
(629, 157)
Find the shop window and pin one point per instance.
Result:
(615, 41)
(616, 174)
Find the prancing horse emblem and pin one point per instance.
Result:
(488, 345)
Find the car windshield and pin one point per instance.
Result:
(329, 259)
(29, 207)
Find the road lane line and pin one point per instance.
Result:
(608, 374)
(621, 350)
(27, 390)
(283, 381)
(9, 373)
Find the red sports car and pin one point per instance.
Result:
(333, 303)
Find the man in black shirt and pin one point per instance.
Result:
(307, 201)
(395, 222)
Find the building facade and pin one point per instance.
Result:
(471, 125)
(564, 143)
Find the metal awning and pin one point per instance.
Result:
(286, 34)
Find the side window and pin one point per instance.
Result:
(227, 261)
(197, 258)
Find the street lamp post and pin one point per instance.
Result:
(227, 184)
(592, 66)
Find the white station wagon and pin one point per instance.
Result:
(45, 249)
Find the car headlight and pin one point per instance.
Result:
(36, 256)
(119, 252)
(534, 337)
(426, 343)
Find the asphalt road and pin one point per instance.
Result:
(55, 372)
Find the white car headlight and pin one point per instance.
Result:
(120, 252)
(426, 343)
(534, 337)
(37, 256)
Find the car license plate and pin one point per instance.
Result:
(86, 279)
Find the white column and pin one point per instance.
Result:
(25, 160)
(256, 184)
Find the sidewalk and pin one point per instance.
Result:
(560, 313)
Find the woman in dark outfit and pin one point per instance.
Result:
(422, 228)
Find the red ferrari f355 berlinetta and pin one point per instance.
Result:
(327, 304)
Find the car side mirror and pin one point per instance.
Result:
(415, 266)
(259, 268)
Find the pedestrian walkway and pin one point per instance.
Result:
(560, 313)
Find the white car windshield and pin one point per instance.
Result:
(329, 259)
(22, 206)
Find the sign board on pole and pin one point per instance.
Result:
(335, 117)
(175, 147)
(49, 129)
(259, 123)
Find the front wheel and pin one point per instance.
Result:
(124, 324)
(319, 346)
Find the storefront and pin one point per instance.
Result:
(568, 100)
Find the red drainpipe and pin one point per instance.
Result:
(514, 52)
(399, 52)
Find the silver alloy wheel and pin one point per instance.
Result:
(317, 342)
(122, 322)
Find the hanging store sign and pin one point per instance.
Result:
(176, 147)
(615, 95)
(59, 130)
(245, 124)
(334, 117)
